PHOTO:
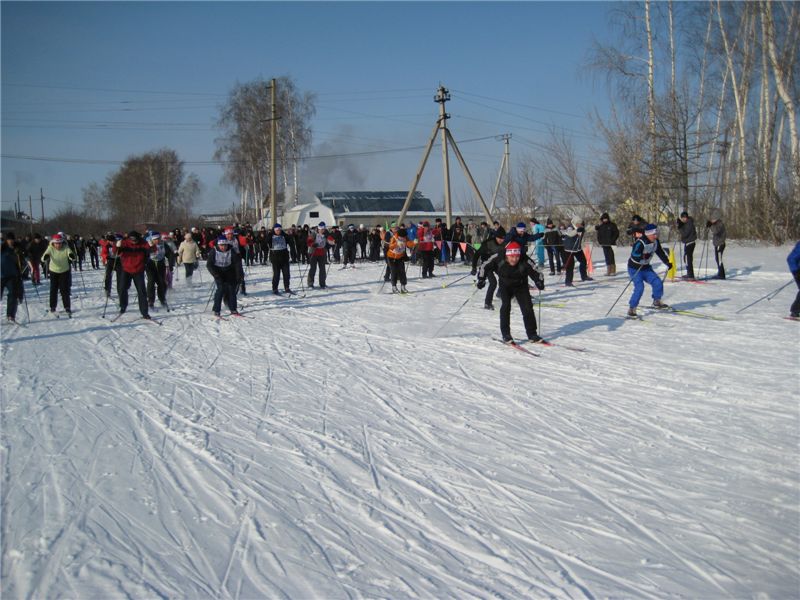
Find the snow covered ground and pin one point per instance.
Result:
(347, 445)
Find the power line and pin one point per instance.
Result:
(224, 162)
(558, 112)
(528, 118)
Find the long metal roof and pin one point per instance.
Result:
(363, 202)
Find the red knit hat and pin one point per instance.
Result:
(513, 249)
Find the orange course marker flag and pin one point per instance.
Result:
(587, 252)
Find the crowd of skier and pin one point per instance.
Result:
(508, 259)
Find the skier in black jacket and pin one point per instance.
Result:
(489, 249)
(513, 273)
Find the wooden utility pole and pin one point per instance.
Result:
(30, 212)
(505, 167)
(41, 199)
(273, 166)
(441, 97)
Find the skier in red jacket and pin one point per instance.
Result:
(133, 253)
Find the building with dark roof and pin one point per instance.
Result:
(373, 202)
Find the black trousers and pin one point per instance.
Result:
(156, 279)
(608, 254)
(523, 297)
(551, 252)
(428, 260)
(569, 265)
(718, 250)
(125, 279)
(14, 289)
(226, 288)
(60, 282)
(314, 262)
(492, 287)
(688, 255)
(398, 271)
(795, 309)
(280, 267)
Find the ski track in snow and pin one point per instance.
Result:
(333, 447)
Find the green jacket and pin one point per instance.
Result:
(59, 259)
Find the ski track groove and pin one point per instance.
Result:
(190, 448)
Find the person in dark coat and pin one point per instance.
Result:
(133, 255)
(350, 245)
(607, 236)
(718, 239)
(279, 256)
(513, 272)
(224, 265)
(492, 247)
(554, 246)
(688, 234)
(11, 269)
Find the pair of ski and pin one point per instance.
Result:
(228, 318)
(521, 346)
(145, 319)
(689, 313)
(58, 315)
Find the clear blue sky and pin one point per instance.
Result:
(104, 80)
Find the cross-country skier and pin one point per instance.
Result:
(640, 271)
(318, 243)
(156, 270)
(189, 256)
(279, 256)
(396, 256)
(223, 264)
(11, 269)
(59, 257)
(573, 249)
(554, 246)
(133, 252)
(349, 245)
(794, 266)
(513, 273)
(493, 248)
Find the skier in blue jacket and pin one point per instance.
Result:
(640, 271)
(794, 266)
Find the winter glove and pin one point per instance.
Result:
(708, 224)
(538, 280)
(481, 282)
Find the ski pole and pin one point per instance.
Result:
(540, 312)
(27, 312)
(444, 285)
(209, 298)
(630, 281)
(446, 323)
(768, 297)
(383, 276)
